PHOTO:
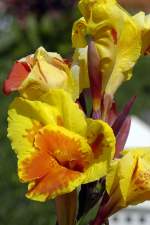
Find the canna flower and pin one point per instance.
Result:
(128, 178)
(37, 73)
(58, 148)
(143, 22)
(116, 37)
(127, 181)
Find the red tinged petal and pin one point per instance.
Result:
(17, 75)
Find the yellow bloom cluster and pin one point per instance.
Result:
(120, 39)
(57, 145)
(128, 179)
(58, 148)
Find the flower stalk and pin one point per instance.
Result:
(66, 208)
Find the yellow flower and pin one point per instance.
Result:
(35, 74)
(128, 180)
(116, 37)
(58, 149)
(143, 22)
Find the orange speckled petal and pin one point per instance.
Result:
(34, 167)
(58, 164)
(56, 179)
(68, 148)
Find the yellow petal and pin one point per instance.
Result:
(73, 117)
(86, 5)
(57, 78)
(112, 177)
(48, 70)
(58, 164)
(58, 181)
(101, 138)
(80, 68)
(139, 190)
(112, 29)
(125, 172)
(126, 57)
(58, 149)
(25, 119)
(127, 181)
(63, 160)
(70, 149)
(41, 53)
(119, 176)
(57, 72)
(143, 22)
(102, 141)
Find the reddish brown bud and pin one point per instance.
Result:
(95, 77)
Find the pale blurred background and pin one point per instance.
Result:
(24, 26)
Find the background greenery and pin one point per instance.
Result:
(24, 26)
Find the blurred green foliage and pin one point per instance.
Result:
(17, 39)
(139, 86)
